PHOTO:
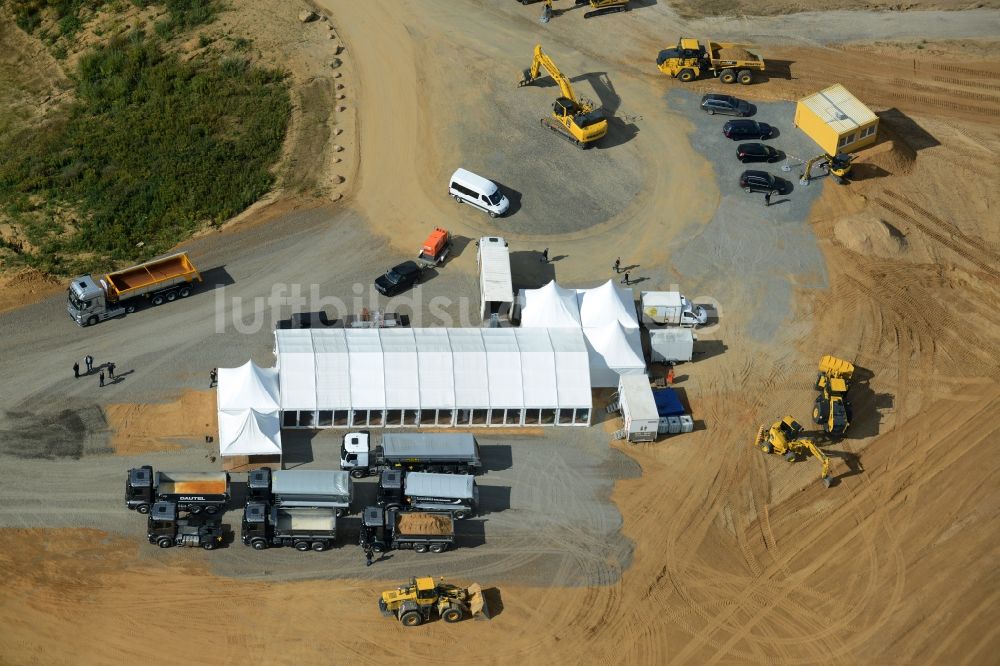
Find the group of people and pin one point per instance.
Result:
(88, 361)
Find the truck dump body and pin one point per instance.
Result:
(305, 521)
(291, 487)
(457, 486)
(192, 483)
(150, 276)
(407, 447)
(424, 524)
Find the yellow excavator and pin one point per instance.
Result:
(838, 166)
(598, 7)
(783, 438)
(832, 409)
(413, 604)
(575, 120)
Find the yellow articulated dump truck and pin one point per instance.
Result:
(692, 59)
(115, 294)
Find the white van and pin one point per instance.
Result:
(469, 188)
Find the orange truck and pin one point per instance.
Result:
(436, 248)
(115, 294)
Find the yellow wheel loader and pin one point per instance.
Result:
(832, 409)
(415, 603)
(783, 439)
(575, 120)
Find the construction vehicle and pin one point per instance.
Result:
(832, 409)
(449, 453)
(302, 488)
(457, 493)
(692, 60)
(575, 120)
(165, 529)
(304, 528)
(415, 603)
(121, 292)
(783, 438)
(189, 491)
(391, 529)
(435, 249)
(838, 166)
(599, 7)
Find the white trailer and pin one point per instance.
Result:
(671, 345)
(496, 291)
(671, 308)
(638, 409)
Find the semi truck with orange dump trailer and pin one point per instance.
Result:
(193, 492)
(114, 294)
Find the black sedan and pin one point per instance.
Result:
(747, 129)
(756, 152)
(726, 105)
(398, 279)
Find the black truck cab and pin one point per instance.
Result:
(255, 521)
(374, 535)
(259, 485)
(165, 529)
(390, 489)
(139, 489)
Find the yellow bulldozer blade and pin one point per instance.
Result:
(477, 602)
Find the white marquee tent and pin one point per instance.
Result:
(247, 402)
(432, 377)
(607, 317)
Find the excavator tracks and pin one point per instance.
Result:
(561, 132)
(614, 9)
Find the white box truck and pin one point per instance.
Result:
(671, 345)
(671, 308)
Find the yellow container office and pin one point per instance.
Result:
(836, 120)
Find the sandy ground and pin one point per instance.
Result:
(736, 556)
(140, 428)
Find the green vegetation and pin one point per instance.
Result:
(182, 15)
(151, 150)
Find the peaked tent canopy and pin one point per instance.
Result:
(249, 432)
(549, 307)
(614, 351)
(607, 303)
(248, 387)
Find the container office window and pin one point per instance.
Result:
(868, 131)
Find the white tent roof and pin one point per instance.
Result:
(549, 307)
(614, 351)
(453, 368)
(607, 303)
(248, 386)
(249, 432)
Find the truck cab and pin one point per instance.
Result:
(259, 485)
(390, 489)
(254, 529)
(87, 302)
(354, 453)
(165, 529)
(139, 489)
(374, 535)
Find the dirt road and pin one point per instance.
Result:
(736, 556)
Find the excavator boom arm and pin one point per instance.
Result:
(542, 61)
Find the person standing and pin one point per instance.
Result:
(767, 199)
(368, 557)
(545, 256)
(89, 360)
(76, 369)
(670, 375)
(213, 377)
(618, 265)
(111, 370)
(625, 280)
(102, 379)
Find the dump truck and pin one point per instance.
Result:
(415, 603)
(165, 529)
(692, 59)
(435, 249)
(456, 493)
(671, 308)
(119, 293)
(391, 529)
(304, 528)
(302, 488)
(190, 491)
(450, 453)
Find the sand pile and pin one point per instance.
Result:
(891, 154)
(140, 428)
(866, 234)
(736, 53)
(424, 523)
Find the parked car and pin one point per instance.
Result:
(726, 105)
(398, 278)
(758, 181)
(756, 152)
(747, 129)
